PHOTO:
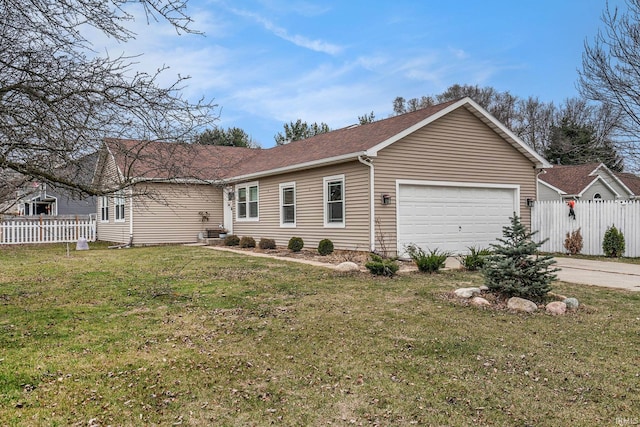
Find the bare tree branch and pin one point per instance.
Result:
(58, 101)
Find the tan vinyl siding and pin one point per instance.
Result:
(455, 148)
(168, 214)
(309, 209)
(111, 231)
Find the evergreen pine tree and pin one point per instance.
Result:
(515, 268)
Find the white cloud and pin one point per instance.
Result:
(296, 39)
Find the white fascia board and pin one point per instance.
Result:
(301, 166)
(613, 177)
(622, 184)
(556, 189)
(595, 171)
(177, 181)
(519, 144)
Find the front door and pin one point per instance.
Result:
(227, 201)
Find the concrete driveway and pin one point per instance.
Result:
(599, 273)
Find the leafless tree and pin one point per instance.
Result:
(59, 98)
(534, 122)
(611, 74)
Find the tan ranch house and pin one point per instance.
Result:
(447, 177)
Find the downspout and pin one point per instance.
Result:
(539, 172)
(130, 217)
(372, 227)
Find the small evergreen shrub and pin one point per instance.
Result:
(613, 243)
(475, 259)
(296, 244)
(427, 263)
(515, 267)
(379, 266)
(231, 240)
(267, 243)
(325, 247)
(573, 242)
(247, 242)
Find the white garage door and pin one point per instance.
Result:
(453, 218)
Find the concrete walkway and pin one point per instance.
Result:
(599, 273)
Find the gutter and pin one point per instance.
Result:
(130, 217)
(301, 166)
(372, 226)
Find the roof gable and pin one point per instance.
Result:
(480, 113)
(576, 179)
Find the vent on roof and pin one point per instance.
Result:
(353, 126)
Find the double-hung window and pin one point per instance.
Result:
(288, 204)
(334, 206)
(247, 202)
(104, 209)
(118, 202)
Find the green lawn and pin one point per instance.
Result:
(192, 336)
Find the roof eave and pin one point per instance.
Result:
(301, 166)
(556, 189)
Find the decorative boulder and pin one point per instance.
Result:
(479, 302)
(347, 267)
(556, 308)
(521, 304)
(572, 303)
(467, 292)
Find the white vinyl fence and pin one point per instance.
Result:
(47, 230)
(551, 220)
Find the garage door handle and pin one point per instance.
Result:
(459, 228)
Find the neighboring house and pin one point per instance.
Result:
(592, 181)
(35, 198)
(447, 177)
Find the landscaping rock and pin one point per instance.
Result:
(467, 292)
(347, 267)
(557, 308)
(572, 303)
(521, 304)
(484, 288)
(480, 302)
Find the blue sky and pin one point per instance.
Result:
(269, 62)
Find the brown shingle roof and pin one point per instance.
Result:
(163, 160)
(341, 142)
(631, 181)
(158, 160)
(572, 179)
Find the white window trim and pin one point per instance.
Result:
(104, 206)
(247, 186)
(325, 201)
(295, 205)
(118, 201)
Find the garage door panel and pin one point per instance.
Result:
(452, 218)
